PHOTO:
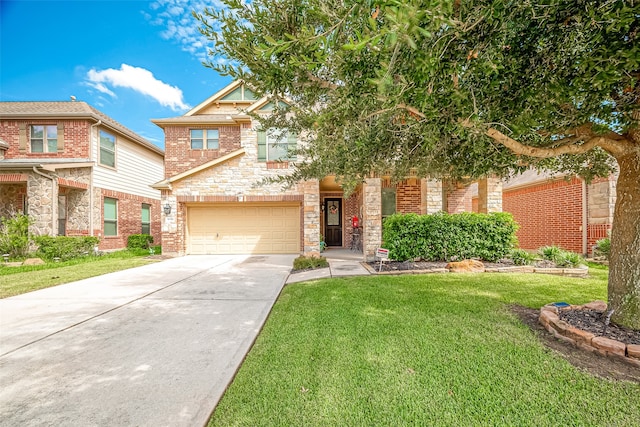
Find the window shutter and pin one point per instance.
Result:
(60, 137)
(22, 137)
(292, 141)
(262, 146)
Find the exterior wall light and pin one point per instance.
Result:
(167, 209)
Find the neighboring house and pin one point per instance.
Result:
(216, 157)
(77, 172)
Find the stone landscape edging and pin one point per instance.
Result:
(570, 272)
(550, 319)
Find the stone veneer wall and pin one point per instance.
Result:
(311, 221)
(41, 193)
(372, 218)
(12, 198)
(490, 195)
(431, 196)
(601, 201)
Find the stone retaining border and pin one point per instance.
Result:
(571, 272)
(588, 341)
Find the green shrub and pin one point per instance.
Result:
(14, 235)
(308, 263)
(550, 253)
(139, 241)
(561, 257)
(603, 247)
(445, 236)
(522, 257)
(65, 247)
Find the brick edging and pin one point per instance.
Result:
(549, 318)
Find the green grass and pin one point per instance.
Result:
(19, 280)
(420, 350)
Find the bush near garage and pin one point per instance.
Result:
(139, 241)
(65, 247)
(309, 263)
(445, 237)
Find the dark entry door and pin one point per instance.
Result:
(333, 222)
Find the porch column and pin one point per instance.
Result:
(431, 196)
(169, 223)
(42, 205)
(311, 217)
(489, 195)
(372, 217)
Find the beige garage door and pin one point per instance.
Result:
(243, 229)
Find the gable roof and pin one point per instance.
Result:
(223, 96)
(66, 110)
(165, 184)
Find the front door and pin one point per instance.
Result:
(333, 222)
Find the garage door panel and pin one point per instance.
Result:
(243, 229)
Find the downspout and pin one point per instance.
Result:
(53, 197)
(585, 219)
(98, 123)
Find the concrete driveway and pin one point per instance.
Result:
(151, 346)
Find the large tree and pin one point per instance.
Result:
(458, 89)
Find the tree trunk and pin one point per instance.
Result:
(624, 264)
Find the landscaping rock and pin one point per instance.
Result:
(597, 306)
(466, 266)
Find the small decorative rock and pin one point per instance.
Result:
(466, 266)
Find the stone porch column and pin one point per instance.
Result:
(311, 217)
(42, 205)
(431, 196)
(489, 195)
(372, 217)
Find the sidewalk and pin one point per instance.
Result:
(342, 262)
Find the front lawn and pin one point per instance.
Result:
(420, 350)
(19, 280)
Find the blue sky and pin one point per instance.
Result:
(132, 60)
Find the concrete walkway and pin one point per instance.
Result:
(151, 346)
(342, 262)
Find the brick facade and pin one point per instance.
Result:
(129, 219)
(549, 213)
(179, 156)
(76, 139)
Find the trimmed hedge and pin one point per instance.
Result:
(65, 247)
(443, 237)
(139, 241)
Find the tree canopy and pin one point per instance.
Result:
(457, 89)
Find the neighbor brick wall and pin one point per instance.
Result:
(549, 213)
(129, 219)
(179, 156)
(76, 138)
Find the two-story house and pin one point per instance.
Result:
(77, 172)
(217, 158)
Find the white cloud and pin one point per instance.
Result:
(180, 26)
(139, 80)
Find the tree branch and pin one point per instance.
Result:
(612, 143)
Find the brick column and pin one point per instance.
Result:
(489, 195)
(311, 217)
(431, 196)
(372, 218)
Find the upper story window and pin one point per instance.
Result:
(107, 149)
(205, 139)
(275, 144)
(44, 139)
